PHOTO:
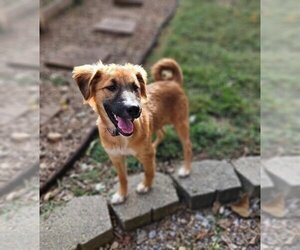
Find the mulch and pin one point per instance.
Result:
(75, 27)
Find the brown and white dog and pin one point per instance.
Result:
(130, 112)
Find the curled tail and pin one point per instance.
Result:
(167, 69)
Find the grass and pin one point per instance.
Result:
(218, 48)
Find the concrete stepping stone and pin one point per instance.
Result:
(267, 185)
(141, 209)
(29, 60)
(19, 227)
(209, 180)
(116, 26)
(71, 56)
(129, 2)
(83, 223)
(285, 172)
(248, 170)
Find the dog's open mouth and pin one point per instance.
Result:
(123, 125)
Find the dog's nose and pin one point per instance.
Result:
(134, 111)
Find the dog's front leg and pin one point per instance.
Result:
(147, 158)
(120, 165)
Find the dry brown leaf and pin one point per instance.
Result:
(254, 240)
(242, 206)
(275, 207)
(224, 223)
(216, 207)
(225, 238)
(202, 234)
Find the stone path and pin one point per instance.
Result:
(129, 2)
(210, 180)
(116, 26)
(248, 169)
(84, 224)
(285, 172)
(70, 56)
(140, 209)
(19, 228)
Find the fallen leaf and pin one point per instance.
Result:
(216, 207)
(202, 234)
(254, 240)
(291, 240)
(224, 223)
(227, 240)
(241, 207)
(275, 207)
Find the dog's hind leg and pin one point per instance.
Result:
(160, 134)
(183, 132)
(120, 165)
(148, 161)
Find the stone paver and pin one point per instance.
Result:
(129, 2)
(84, 223)
(116, 26)
(72, 55)
(267, 184)
(141, 209)
(209, 180)
(248, 170)
(285, 172)
(19, 227)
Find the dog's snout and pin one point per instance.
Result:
(134, 111)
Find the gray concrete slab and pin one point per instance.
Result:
(116, 26)
(267, 185)
(248, 170)
(19, 227)
(285, 173)
(141, 209)
(70, 56)
(129, 2)
(209, 180)
(83, 223)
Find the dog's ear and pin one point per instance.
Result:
(86, 77)
(142, 82)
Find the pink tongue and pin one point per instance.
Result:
(125, 125)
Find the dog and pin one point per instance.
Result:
(130, 112)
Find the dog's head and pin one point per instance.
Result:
(115, 92)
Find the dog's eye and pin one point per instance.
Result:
(135, 87)
(112, 87)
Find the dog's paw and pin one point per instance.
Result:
(117, 199)
(142, 189)
(183, 172)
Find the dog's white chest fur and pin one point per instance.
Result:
(121, 149)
